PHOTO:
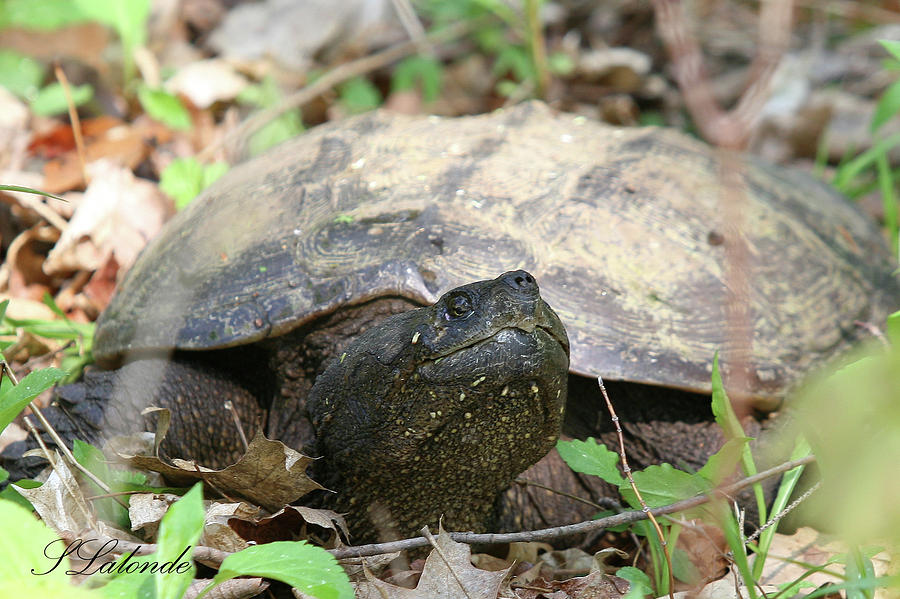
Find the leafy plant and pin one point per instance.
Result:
(128, 18)
(871, 169)
(661, 485)
(75, 355)
(510, 34)
(164, 107)
(185, 178)
(266, 94)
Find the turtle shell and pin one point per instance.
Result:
(623, 229)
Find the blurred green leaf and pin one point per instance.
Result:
(164, 107)
(852, 421)
(359, 95)
(286, 126)
(590, 457)
(721, 464)
(560, 63)
(888, 106)
(423, 71)
(892, 330)
(15, 399)
(892, 47)
(24, 569)
(51, 100)
(305, 567)
(20, 74)
(179, 531)
(39, 14)
(185, 178)
(127, 17)
(95, 462)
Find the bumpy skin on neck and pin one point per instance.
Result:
(435, 410)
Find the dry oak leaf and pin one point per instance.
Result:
(270, 474)
(448, 574)
(118, 214)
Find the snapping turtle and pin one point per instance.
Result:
(268, 275)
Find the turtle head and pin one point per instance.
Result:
(432, 412)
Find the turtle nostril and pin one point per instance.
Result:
(520, 280)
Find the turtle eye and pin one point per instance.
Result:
(458, 306)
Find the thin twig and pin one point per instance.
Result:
(73, 117)
(413, 26)
(644, 507)
(549, 534)
(214, 557)
(597, 506)
(237, 424)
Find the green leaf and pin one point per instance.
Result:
(727, 419)
(888, 199)
(25, 571)
(892, 330)
(3, 305)
(888, 106)
(515, 60)
(560, 63)
(892, 47)
(590, 457)
(639, 583)
(286, 126)
(683, 568)
(305, 567)
(45, 14)
(51, 100)
(56, 329)
(20, 74)
(663, 484)
(185, 178)
(721, 464)
(94, 461)
(179, 532)
(127, 17)
(14, 400)
(359, 95)
(423, 71)
(11, 494)
(30, 190)
(164, 107)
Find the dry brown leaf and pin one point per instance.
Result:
(60, 503)
(217, 533)
(595, 585)
(117, 216)
(291, 523)
(61, 138)
(270, 474)
(84, 42)
(206, 82)
(448, 574)
(22, 270)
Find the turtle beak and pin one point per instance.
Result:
(548, 320)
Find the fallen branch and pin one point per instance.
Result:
(556, 532)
